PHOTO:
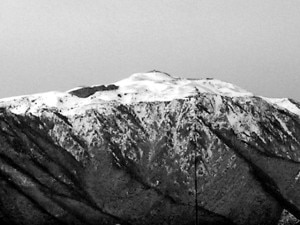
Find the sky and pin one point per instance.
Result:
(57, 45)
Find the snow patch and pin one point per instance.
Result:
(297, 176)
(243, 124)
(284, 103)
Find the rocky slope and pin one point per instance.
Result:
(150, 149)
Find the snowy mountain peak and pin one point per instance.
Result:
(159, 86)
(140, 87)
(133, 145)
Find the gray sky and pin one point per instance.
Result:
(59, 44)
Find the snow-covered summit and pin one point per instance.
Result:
(140, 87)
(158, 86)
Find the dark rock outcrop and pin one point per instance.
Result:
(85, 92)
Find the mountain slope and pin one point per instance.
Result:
(150, 149)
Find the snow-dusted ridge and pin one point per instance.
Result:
(139, 87)
(284, 103)
(157, 86)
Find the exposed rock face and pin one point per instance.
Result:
(214, 158)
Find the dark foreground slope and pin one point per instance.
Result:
(210, 158)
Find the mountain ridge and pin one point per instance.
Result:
(216, 155)
(150, 86)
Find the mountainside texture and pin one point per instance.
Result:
(150, 149)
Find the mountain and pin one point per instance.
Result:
(149, 149)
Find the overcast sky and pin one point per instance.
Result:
(60, 44)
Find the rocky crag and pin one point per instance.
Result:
(150, 149)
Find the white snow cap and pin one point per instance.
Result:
(159, 86)
(139, 87)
